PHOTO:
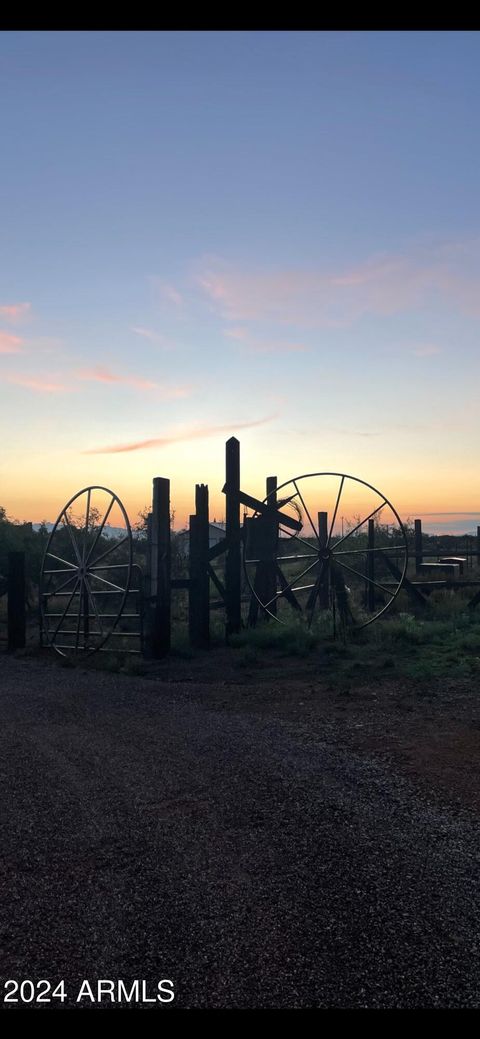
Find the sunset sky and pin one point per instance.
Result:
(274, 235)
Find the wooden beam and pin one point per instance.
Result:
(161, 633)
(371, 566)
(418, 545)
(233, 561)
(262, 507)
(199, 590)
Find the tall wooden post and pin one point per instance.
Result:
(161, 633)
(232, 533)
(323, 591)
(270, 572)
(199, 589)
(418, 545)
(16, 618)
(371, 566)
(148, 558)
(478, 547)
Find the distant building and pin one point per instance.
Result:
(216, 533)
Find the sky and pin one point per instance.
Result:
(272, 235)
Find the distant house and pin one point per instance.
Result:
(216, 533)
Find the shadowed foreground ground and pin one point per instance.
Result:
(155, 829)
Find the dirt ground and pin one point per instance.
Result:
(427, 730)
(259, 836)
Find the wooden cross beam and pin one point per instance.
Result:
(264, 508)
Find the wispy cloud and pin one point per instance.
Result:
(438, 274)
(153, 337)
(10, 344)
(426, 350)
(238, 333)
(196, 433)
(14, 311)
(263, 346)
(170, 293)
(38, 384)
(100, 374)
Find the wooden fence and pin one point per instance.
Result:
(436, 560)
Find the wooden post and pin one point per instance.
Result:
(232, 533)
(371, 566)
(418, 545)
(270, 571)
(161, 633)
(148, 558)
(199, 589)
(323, 591)
(16, 619)
(478, 547)
(261, 535)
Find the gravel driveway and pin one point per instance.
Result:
(148, 833)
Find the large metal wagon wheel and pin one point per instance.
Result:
(86, 574)
(346, 564)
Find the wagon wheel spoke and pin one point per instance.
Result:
(67, 523)
(107, 552)
(79, 618)
(363, 551)
(62, 618)
(87, 517)
(73, 566)
(365, 578)
(99, 531)
(312, 599)
(361, 524)
(287, 592)
(116, 587)
(94, 604)
(295, 537)
(339, 495)
(315, 531)
(55, 591)
(290, 584)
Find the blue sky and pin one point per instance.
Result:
(274, 234)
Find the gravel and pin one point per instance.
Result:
(150, 834)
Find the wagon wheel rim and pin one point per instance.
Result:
(327, 560)
(84, 582)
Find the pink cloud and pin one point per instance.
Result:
(38, 384)
(14, 311)
(10, 344)
(433, 275)
(100, 374)
(191, 434)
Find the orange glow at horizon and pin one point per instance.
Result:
(34, 494)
